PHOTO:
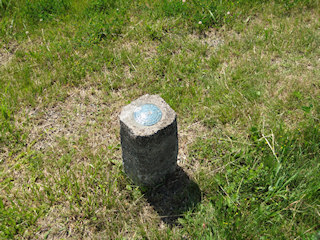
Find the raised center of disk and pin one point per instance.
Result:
(147, 114)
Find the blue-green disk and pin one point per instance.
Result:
(147, 114)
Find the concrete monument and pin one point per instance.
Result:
(149, 140)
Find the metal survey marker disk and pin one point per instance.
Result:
(147, 114)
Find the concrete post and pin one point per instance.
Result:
(149, 140)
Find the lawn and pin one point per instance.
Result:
(243, 77)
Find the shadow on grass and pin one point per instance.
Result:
(176, 195)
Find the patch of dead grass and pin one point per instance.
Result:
(211, 38)
(148, 48)
(85, 112)
(188, 134)
(7, 53)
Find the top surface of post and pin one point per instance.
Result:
(147, 115)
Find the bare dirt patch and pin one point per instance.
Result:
(6, 53)
(211, 38)
(5, 57)
(86, 112)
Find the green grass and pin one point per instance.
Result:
(243, 77)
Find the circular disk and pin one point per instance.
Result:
(147, 114)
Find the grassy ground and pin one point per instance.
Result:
(243, 77)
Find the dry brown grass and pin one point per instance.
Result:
(7, 53)
(85, 111)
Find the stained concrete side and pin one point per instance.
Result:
(147, 160)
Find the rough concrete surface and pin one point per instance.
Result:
(149, 152)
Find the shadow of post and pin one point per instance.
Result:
(176, 195)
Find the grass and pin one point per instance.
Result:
(243, 77)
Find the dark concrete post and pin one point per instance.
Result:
(149, 140)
